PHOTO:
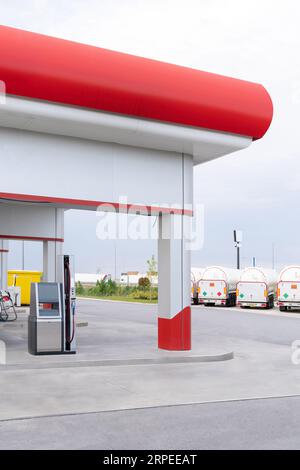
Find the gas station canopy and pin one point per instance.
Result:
(45, 68)
(92, 129)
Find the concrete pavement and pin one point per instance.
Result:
(116, 333)
(261, 368)
(253, 424)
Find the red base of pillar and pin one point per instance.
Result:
(174, 333)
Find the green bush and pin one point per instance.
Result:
(79, 288)
(145, 295)
(103, 288)
(125, 290)
(111, 287)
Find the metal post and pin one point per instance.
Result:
(23, 255)
(3, 263)
(237, 236)
(115, 260)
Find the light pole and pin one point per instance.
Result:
(238, 237)
(273, 255)
(115, 249)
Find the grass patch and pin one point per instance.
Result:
(121, 298)
(110, 290)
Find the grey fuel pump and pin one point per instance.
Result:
(45, 322)
(51, 322)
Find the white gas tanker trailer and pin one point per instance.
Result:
(288, 288)
(217, 286)
(196, 274)
(256, 288)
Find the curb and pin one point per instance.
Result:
(123, 362)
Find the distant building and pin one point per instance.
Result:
(131, 278)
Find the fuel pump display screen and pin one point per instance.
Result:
(48, 293)
(48, 300)
(49, 310)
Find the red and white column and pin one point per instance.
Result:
(174, 273)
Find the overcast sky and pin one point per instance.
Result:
(256, 190)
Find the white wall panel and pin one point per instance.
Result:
(148, 176)
(30, 221)
(56, 119)
(65, 167)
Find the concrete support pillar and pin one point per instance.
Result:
(3, 263)
(174, 274)
(50, 252)
(51, 249)
(174, 270)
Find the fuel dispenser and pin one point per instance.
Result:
(45, 322)
(66, 277)
(51, 322)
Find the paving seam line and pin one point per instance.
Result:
(151, 407)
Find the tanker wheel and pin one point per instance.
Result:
(229, 301)
(232, 300)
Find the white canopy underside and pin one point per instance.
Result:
(57, 119)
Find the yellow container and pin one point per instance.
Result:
(23, 279)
